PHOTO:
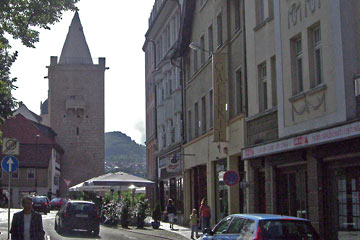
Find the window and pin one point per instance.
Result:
(273, 81)
(202, 52)
(357, 86)
(15, 175)
(30, 173)
(195, 64)
(56, 180)
(221, 228)
(203, 115)
(316, 35)
(211, 39)
(239, 92)
(170, 82)
(196, 123)
(297, 66)
(237, 15)
(262, 87)
(189, 126)
(260, 11)
(219, 30)
(236, 225)
(77, 131)
(211, 108)
(168, 41)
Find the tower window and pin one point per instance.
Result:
(77, 131)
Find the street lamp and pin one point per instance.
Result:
(196, 46)
(132, 187)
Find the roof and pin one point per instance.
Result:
(118, 179)
(75, 49)
(27, 113)
(261, 216)
(32, 156)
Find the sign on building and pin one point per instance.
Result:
(219, 88)
(10, 146)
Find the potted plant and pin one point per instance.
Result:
(141, 213)
(125, 213)
(156, 215)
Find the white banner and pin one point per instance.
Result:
(219, 86)
(305, 140)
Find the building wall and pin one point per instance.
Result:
(200, 148)
(79, 124)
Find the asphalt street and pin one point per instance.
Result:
(105, 232)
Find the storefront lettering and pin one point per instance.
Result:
(296, 10)
(324, 136)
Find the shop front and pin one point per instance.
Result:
(314, 176)
(171, 183)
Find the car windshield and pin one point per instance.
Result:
(39, 200)
(287, 229)
(81, 208)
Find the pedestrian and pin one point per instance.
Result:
(194, 224)
(27, 224)
(205, 215)
(171, 211)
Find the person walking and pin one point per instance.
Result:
(194, 224)
(171, 211)
(27, 224)
(205, 215)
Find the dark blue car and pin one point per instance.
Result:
(262, 227)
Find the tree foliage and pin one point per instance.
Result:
(21, 20)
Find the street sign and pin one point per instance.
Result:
(10, 146)
(9, 164)
(67, 182)
(231, 178)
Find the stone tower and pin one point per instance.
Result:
(76, 107)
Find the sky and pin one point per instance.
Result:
(113, 29)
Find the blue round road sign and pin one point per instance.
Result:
(231, 178)
(9, 164)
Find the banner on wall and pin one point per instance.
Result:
(219, 88)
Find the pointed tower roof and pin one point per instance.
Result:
(75, 49)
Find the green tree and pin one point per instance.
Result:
(20, 20)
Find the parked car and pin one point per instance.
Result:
(78, 215)
(41, 204)
(56, 203)
(262, 227)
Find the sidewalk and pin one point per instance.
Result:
(178, 233)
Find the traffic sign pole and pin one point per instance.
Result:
(9, 203)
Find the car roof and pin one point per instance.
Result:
(80, 201)
(262, 216)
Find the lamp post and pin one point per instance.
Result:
(132, 187)
(36, 159)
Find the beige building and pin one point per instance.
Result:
(302, 155)
(216, 35)
(76, 107)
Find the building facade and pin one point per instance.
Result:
(271, 90)
(214, 114)
(39, 159)
(301, 160)
(164, 103)
(76, 107)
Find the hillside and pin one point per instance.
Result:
(124, 154)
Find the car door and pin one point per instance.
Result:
(235, 228)
(220, 231)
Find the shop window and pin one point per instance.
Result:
(348, 196)
(15, 175)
